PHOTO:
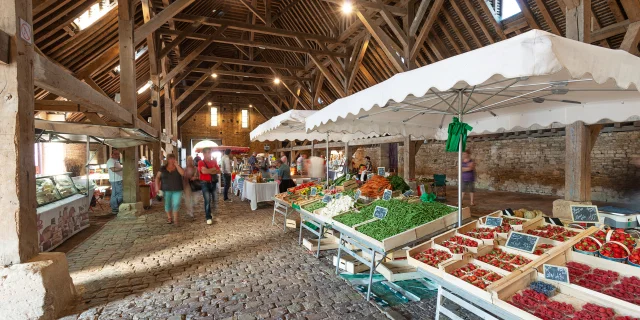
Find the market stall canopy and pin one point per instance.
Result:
(73, 132)
(290, 126)
(203, 145)
(531, 81)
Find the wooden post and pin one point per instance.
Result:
(18, 227)
(383, 159)
(578, 15)
(409, 154)
(579, 143)
(347, 158)
(128, 94)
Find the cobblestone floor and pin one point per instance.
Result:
(239, 268)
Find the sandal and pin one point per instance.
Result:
(169, 221)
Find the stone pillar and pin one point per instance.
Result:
(28, 286)
(409, 151)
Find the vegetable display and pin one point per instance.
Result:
(314, 206)
(340, 181)
(397, 183)
(337, 206)
(403, 216)
(375, 187)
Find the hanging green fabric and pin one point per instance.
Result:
(457, 128)
(428, 197)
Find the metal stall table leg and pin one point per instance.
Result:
(444, 294)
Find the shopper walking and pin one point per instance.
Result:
(283, 158)
(226, 174)
(190, 174)
(468, 175)
(252, 162)
(284, 176)
(208, 169)
(115, 179)
(169, 181)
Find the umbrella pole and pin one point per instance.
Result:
(326, 159)
(460, 167)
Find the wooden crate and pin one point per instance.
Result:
(350, 185)
(398, 270)
(436, 271)
(350, 264)
(449, 234)
(328, 243)
(575, 295)
(465, 286)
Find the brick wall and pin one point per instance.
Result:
(536, 165)
(229, 128)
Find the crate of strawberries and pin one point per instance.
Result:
(459, 243)
(474, 276)
(431, 257)
(530, 296)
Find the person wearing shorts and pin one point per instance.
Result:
(170, 183)
(468, 175)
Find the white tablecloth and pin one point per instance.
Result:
(259, 192)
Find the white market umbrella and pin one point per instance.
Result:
(203, 145)
(533, 80)
(290, 126)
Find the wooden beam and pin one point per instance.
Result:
(542, 7)
(251, 63)
(126, 23)
(631, 38)
(357, 63)
(60, 106)
(159, 19)
(384, 42)
(49, 76)
(371, 5)
(94, 85)
(175, 42)
(266, 96)
(466, 24)
(422, 9)
(251, 75)
(393, 24)
(94, 118)
(254, 10)
(103, 59)
(426, 28)
(526, 12)
(578, 15)
(285, 10)
(236, 25)
(632, 9)
(196, 103)
(192, 56)
(610, 31)
(191, 88)
(316, 89)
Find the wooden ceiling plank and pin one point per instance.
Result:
(526, 11)
(455, 29)
(476, 16)
(285, 10)
(466, 24)
(358, 62)
(393, 25)
(422, 9)
(254, 10)
(632, 9)
(426, 27)
(177, 40)
(547, 17)
(631, 38)
(266, 96)
(371, 5)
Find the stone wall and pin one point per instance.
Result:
(536, 165)
(229, 128)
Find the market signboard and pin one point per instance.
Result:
(381, 171)
(356, 196)
(327, 198)
(386, 196)
(521, 241)
(313, 192)
(408, 193)
(556, 273)
(380, 212)
(493, 221)
(585, 213)
(338, 195)
(422, 189)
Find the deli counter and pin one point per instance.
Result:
(63, 210)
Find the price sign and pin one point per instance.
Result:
(386, 196)
(381, 171)
(348, 177)
(585, 214)
(313, 192)
(556, 273)
(380, 212)
(369, 176)
(356, 196)
(522, 241)
(508, 212)
(338, 195)
(327, 198)
(408, 193)
(422, 189)
(493, 221)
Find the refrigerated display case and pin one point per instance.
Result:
(62, 209)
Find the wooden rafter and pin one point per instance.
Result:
(426, 28)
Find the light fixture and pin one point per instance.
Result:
(215, 75)
(209, 103)
(347, 7)
(145, 87)
(276, 80)
(250, 106)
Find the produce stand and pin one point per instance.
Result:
(352, 241)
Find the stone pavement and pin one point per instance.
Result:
(239, 268)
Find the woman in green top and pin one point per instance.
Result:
(284, 176)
